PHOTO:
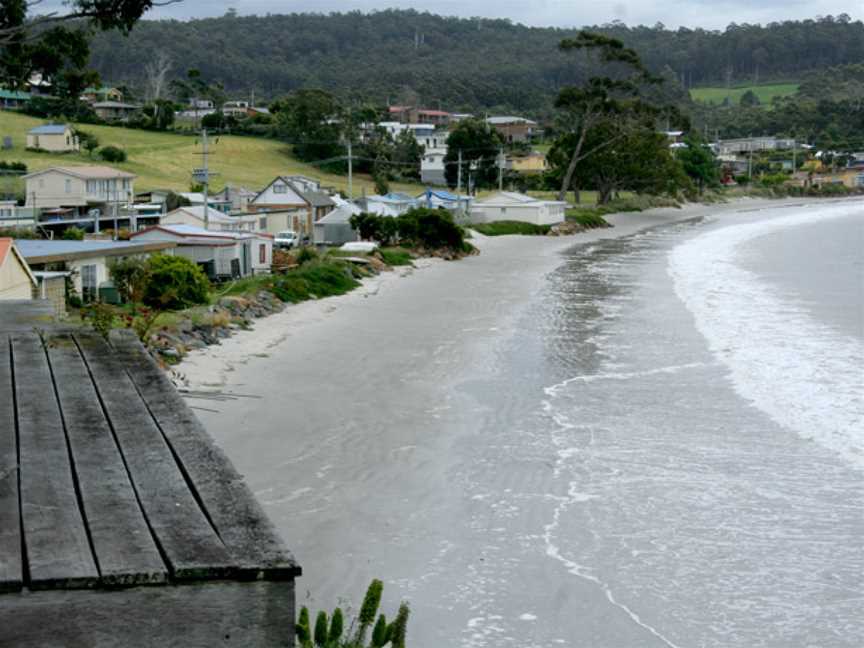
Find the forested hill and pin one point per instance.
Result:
(462, 63)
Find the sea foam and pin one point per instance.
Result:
(805, 375)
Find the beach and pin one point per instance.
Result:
(552, 443)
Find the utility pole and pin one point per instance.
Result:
(350, 172)
(501, 169)
(750, 162)
(206, 179)
(459, 174)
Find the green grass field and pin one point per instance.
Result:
(166, 160)
(765, 93)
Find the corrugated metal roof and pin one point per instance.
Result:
(35, 248)
(49, 129)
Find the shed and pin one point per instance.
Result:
(334, 228)
(121, 523)
(57, 138)
(512, 206)
(222, 255)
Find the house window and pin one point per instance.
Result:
(280, 189)
(68, 186)
(89, 290)
(262, 223)
(262, 253)
(41, 183)
(503, 210)
(91, 186)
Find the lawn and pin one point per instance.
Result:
(166, 160)
(765, 93)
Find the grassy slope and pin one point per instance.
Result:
(765, 92)
(165, 160)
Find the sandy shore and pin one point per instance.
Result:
(355, 420)
(211, 368)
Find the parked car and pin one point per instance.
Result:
(286, 240)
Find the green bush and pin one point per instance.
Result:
(73, 234)
(112, 154)
(130, 277)
(503, 228)
(590, 218)
(395, 256)
(314, 280)
(174, 282)
(429, 229)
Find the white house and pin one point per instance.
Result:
(16, 279)
(518, 207)
(217, 221)
(221, 254)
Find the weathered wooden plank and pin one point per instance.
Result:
(25, 315)
(188, 541)
(57, 549)
(125, 551)
(242, 524)
(11, 559)
(201, 615)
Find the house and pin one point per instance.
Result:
(221, 254)
(438, 198)
(753, 144)
(217, 221)
(237, 198)
(518, 207)
(391, 204)
(13, 99)
(409, 115)
(293, 194)
(16, 278)
(81, 195)
(11, 215)
(86, 261)
(242, 109)
(851, 178)
(56, 138)
(196, 199)
(432, 167)
(514, 129)
(104, 93)
(529, 164)
(116, 111)
(335, 228)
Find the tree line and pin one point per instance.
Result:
(401, 56)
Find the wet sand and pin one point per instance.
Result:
(355, 420)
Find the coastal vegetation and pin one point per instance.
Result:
(506, 227)
(330, 632)
(429, 231)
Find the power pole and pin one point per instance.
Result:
(206, 180)
(350, 172)
(501, 169)
(459, 174)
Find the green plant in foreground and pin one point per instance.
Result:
(101, 317)
(331, 635)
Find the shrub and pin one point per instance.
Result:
(73, 234)
(112, 154)
(502, 228)
(6, 165)
(306, 255)
(130, 277)
(174, 282)
(101, 317)
(395, 256)
(431, 229)
(313, 280)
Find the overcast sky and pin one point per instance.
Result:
(714, 14)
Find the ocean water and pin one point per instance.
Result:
(676, 429)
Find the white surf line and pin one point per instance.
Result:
(581, 572)
(576, 497)
(554, 389)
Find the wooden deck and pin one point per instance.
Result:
(121, 523)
